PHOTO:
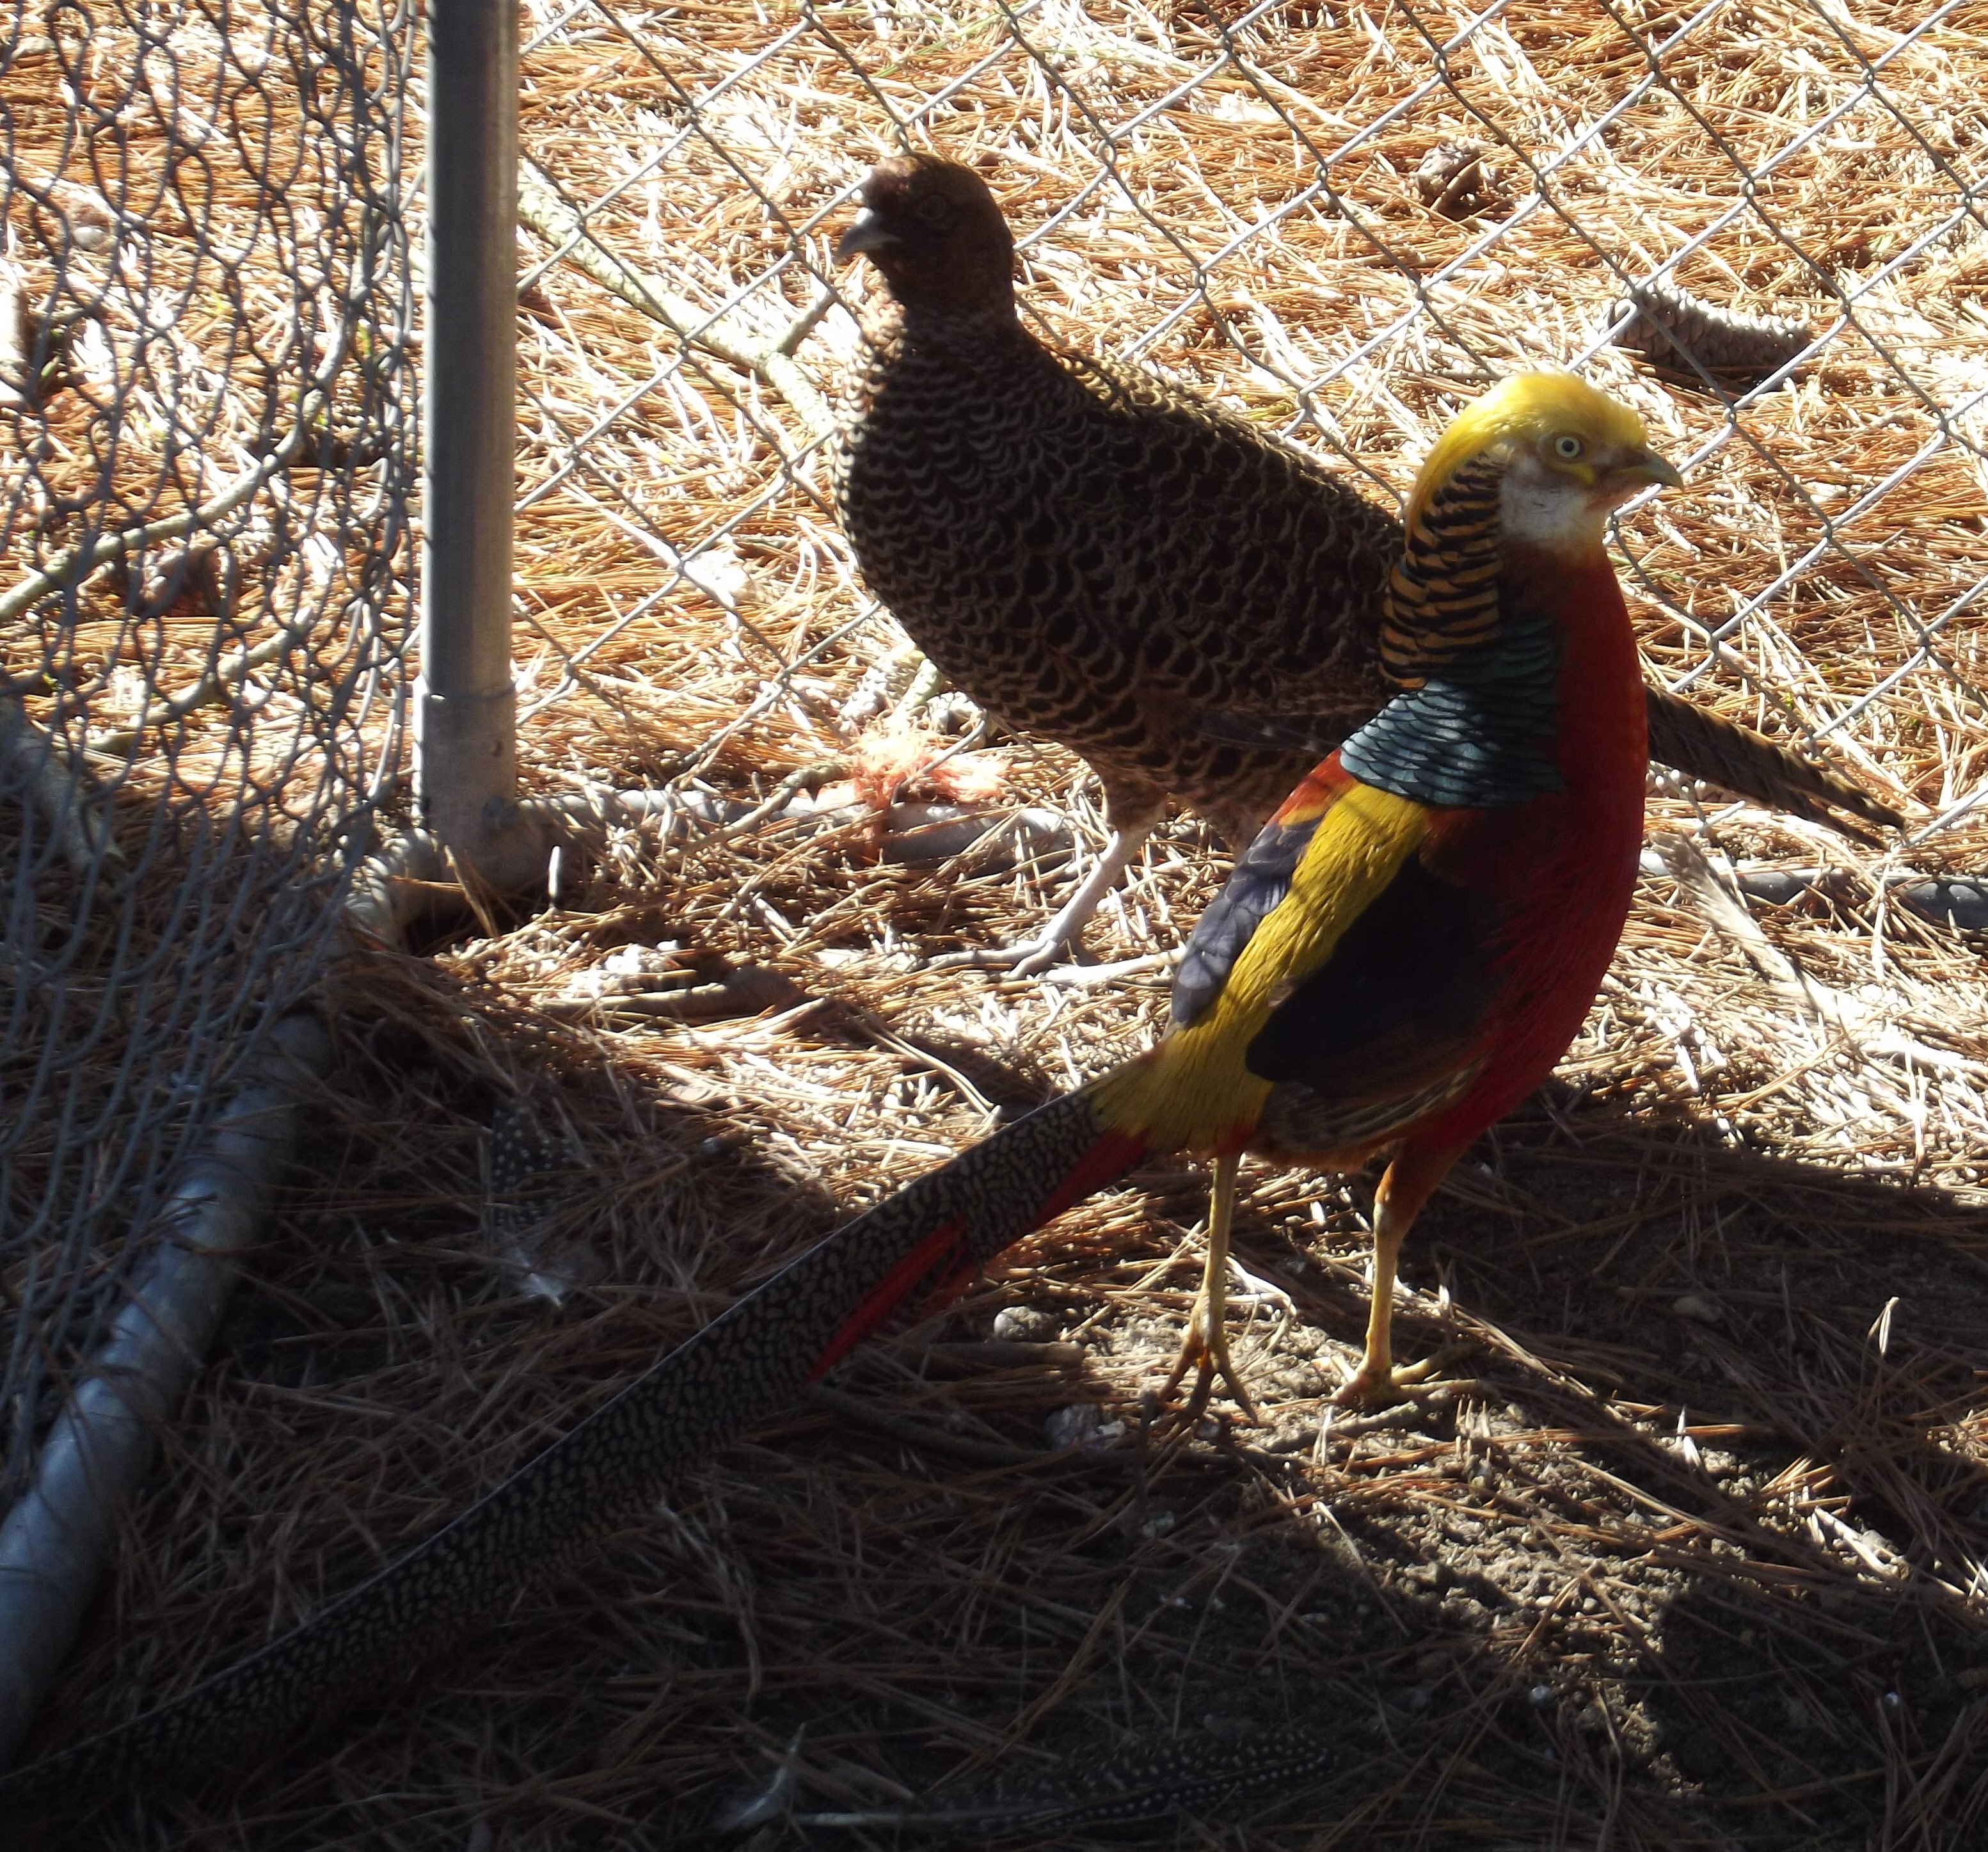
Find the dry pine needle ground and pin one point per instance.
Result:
(1693, 1554)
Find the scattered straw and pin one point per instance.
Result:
(1692, 1551)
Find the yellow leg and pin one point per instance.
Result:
(1404, 1189)
(1205, 1344)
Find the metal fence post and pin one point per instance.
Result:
(60, 1535)
(466, 734)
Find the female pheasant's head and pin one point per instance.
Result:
(933, 228)
(1568, 456)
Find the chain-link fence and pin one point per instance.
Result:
(1344, 223)
(1760, 224)
(205, 443)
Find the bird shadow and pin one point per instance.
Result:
(1780, 1362)
(1686, 1560)
(1689, 1558)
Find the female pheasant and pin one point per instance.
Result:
(1402, 954)
(1095, 554)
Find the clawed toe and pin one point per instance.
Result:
(1205, 1350)
(1375, 1385)
(1024, 960)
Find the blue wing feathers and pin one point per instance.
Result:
(1473, 737)
(1262, 879)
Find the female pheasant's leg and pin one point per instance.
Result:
(1038, 953)
(1205, 1344)
(1406, 1184)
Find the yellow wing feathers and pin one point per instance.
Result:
(1195, 1092)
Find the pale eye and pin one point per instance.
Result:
(1567, 447)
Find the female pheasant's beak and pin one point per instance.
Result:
(868, 232)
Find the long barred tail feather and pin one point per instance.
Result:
(1698, 743)
(741, 1367)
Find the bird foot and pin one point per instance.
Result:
(1026, 959)
(1205, 1350)
(1374, 1384)
(1062, 931)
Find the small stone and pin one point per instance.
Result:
(1073, 1425)
(1704, 1311)
(1540, 1696)
(1026, 1325)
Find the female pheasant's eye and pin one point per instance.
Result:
(1567, 448)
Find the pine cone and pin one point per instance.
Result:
(1672, 328)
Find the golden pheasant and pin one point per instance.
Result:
(1402, 954)
(1097, 555)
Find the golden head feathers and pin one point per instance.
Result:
(1563, 423)
(1542, 458)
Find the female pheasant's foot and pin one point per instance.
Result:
(1039, 953)
(1031, 956)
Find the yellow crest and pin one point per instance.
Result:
(1523, 409)
(1442, 595)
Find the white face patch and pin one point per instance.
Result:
(1549, 509)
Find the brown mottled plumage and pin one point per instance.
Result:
(1100, 557)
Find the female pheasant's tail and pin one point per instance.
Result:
(928, 1239)
(1698, 742)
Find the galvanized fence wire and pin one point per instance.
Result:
(207, 417)
(1232, 192)
(206, 441)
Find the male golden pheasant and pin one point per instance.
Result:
(1097, 555)
(1402, 955)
